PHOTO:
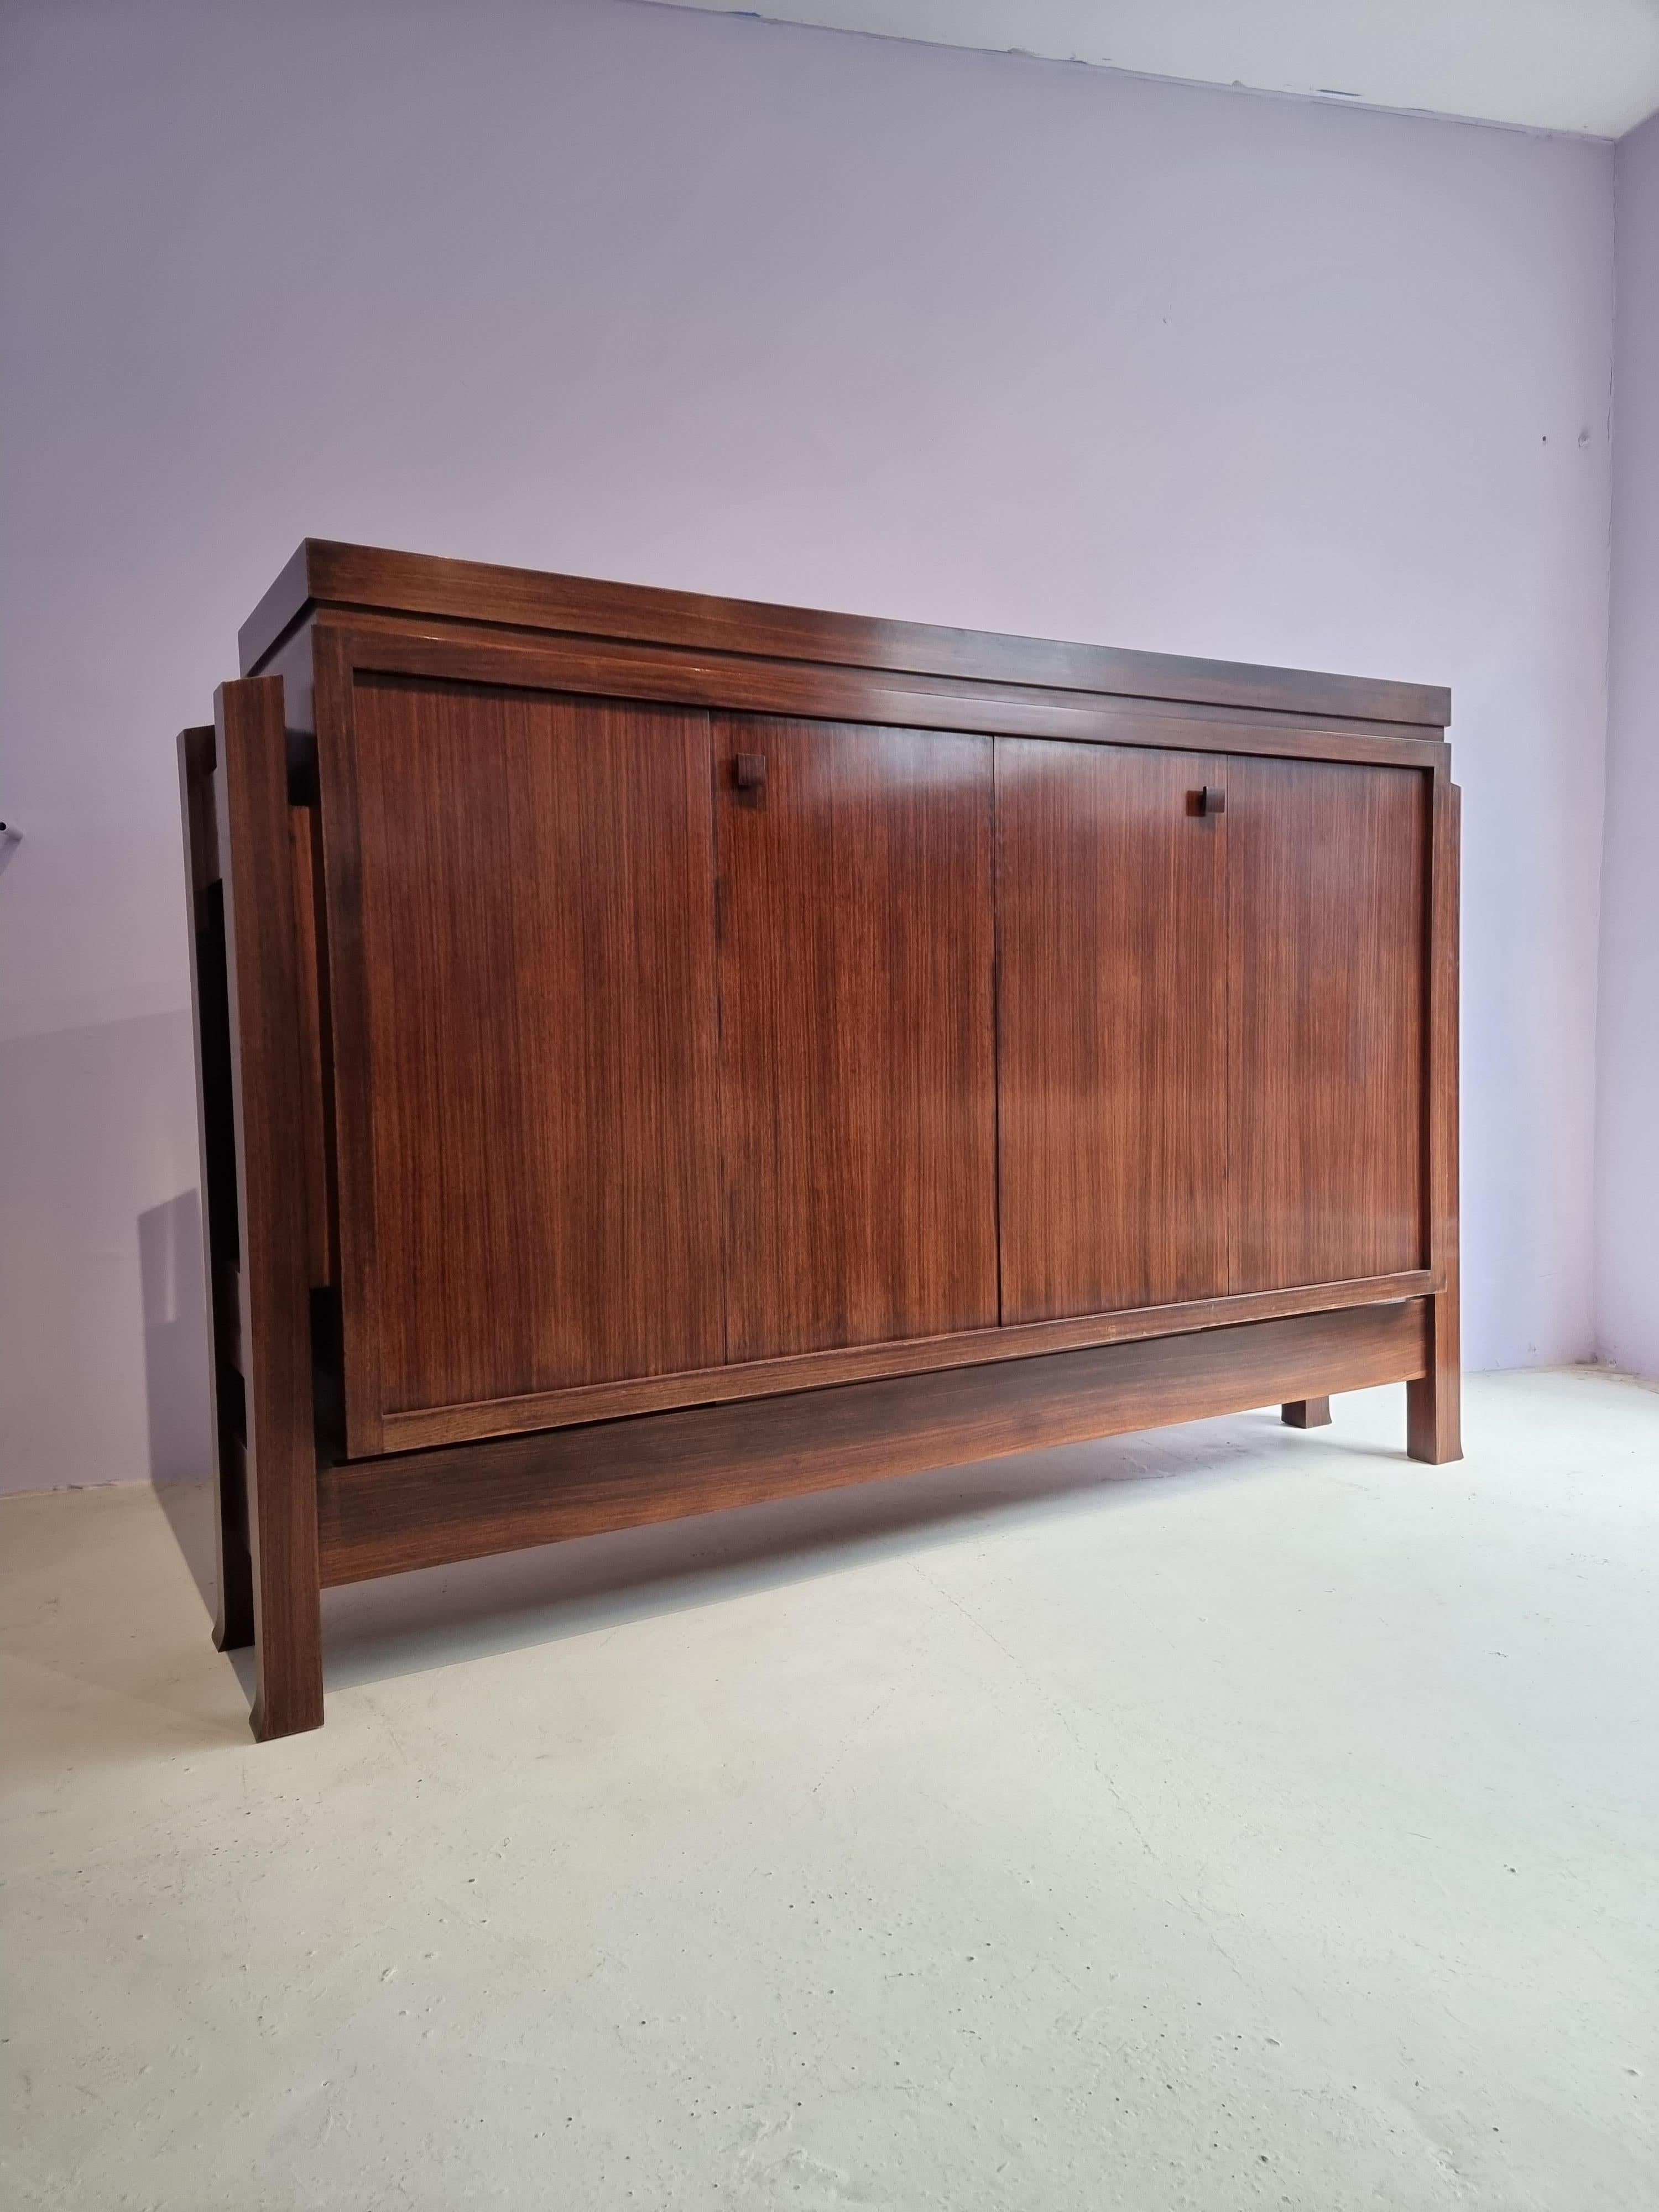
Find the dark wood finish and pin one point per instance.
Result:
(858, 1082)
(322, 572)
(625, 989)
(197, 809)
(813, 1370)
(269, 1071)
(319, 1225)
(1433, 1404)
(420, 1508)
(1307, 1413)
(227, 1307)
(1327, 870)
(531, 893)
(234, 1621)
(761, 686)
(1111, 1022)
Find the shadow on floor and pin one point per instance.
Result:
(188, 1510)
(437, 1616)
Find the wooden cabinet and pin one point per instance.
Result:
(657, 1053)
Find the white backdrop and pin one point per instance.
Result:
(1628, 1241)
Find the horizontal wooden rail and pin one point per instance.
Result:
(813, 1370)
(581, 667)
(420, 1508)
(323, 573)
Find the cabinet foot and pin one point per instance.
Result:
(1433, 1429)
(1306, 1413)
(1433, 1402)
(289, 1708)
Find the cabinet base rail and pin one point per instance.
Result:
(382, 1517)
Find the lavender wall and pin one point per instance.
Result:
(703, 301)
(1627, 1184)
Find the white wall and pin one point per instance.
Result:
(703, 301)
(1627, 1152)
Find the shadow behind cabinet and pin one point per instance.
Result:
(659, 1052)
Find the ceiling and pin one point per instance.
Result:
(1589, 66)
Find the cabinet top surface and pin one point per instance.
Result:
(368, 579)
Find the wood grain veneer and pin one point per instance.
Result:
(1326, 938)
(813, 1370)
(596, 668)
(858, 1074)
(1111, 1012)
(323, 573)
(535, 890)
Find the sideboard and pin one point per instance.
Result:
(659, 1052)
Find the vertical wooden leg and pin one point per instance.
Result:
(1306, 1413)
(288, 1648)
(1433, 1402)
(269, 1065)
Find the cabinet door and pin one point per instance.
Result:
(1327, 900)
(525, 1051)
(857, 1062)
(1111, 1026)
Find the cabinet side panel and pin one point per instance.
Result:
(537, 946)
(1111, 1001)
(216, 1123)
(1327, 918)
(858, 1079)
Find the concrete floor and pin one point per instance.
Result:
(1221, 1818)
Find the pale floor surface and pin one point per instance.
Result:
(1219, 1817)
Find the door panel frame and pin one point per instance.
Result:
(370, 1426)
